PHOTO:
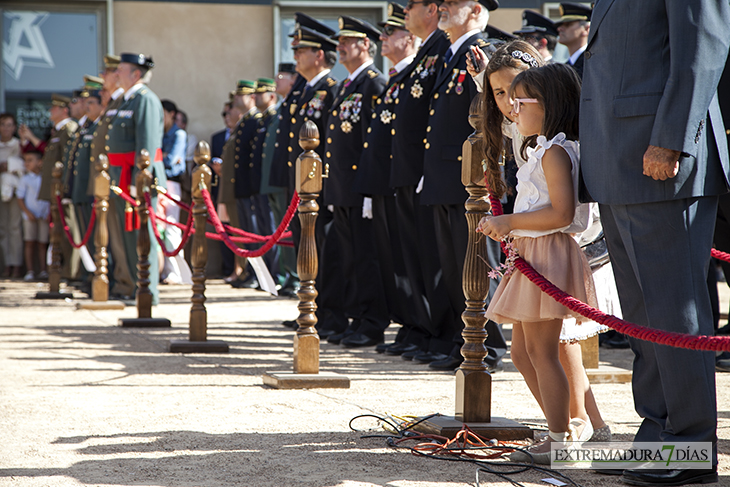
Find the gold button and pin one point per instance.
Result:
(123, 125)
(392, 131)
(293, 120)
(106, 148)
(276, 144)
(391, 156)
(428, 129)
(432, 112)
(727, 131)
(75, 173)
(329, 140)
(379, 101)
(402, 85)
(328, 154)
(425, 141)
(392, 116)
(238, 149)
(291, 135)
(397, 100)
(250, 164)
(365, 145)
(278, 131)
(435, 96)
(370, 129)
(374, 115)
(289, 163)
(428, 146)
(236, 166)
(233, 180)
(251, 155)
(237, 156)
(106, 137)
(91, 158)
(92, 145)
(332, 126)
(354, 167)
(459, 158)
(334, 113)
(264, 144)
(290, 149)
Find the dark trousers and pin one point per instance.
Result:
(452, 237)
(365, 299)
(661, 253)
(255, 217)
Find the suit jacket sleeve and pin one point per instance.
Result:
(698, 38)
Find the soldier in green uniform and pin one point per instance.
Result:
(122, 273)
(137, 125)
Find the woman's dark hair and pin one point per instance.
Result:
(169, 106)
(557, 89)
(518, 55)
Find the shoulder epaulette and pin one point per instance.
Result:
(372, 74)
(331, 82)
(258, 115)
(482, 43)
(143, 92)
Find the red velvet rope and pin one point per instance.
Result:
(68, 232)
(673, 339)
(271, 241)
(188, 230)
(215, 236)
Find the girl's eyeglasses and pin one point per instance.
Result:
(517, 102)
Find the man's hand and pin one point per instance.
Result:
(661, 164)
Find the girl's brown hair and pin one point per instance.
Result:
(518, 55)
(557, 89)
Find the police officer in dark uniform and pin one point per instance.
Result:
(540, 32)
(448, 127)
(573, 27)
(315, 57)
(372, 177)
(346, 129)
(415, 222)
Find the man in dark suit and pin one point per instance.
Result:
(346, 130)
(315, 56)
(417, 239)
(654, 156)
(448, 127)
(573, 27)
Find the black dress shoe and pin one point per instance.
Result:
(498, 366)
(338, 337)
(290, 324)
(382, 347)
(359, 340)
(449, 363)
(617, 342)
(411, 354)
(326, 333)
(401, 348)
(250, 283)
(428, 357)
(669, 477)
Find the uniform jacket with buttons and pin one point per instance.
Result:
(314, 104)
(411, 111)
(256, 165)
(654, 84)
(279, 168)
(372, 177)
(346, 129)
(56, 151)
(80, 164)
(138, 124)
(70, 171)
(448, 128)
(236, 158)
(98, 144)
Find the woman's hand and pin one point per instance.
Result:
(495, 227)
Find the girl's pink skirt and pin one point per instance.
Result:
(559, 259)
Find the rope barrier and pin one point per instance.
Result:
(662, 337)
(237, 231)
(188, 230)
(67, 231)
(271, 241)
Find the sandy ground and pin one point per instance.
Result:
(85, 402)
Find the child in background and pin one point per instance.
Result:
(35, 215)
(545, 112)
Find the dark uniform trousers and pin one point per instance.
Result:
(424, 284)
(347, 122)
(313, 104)
(443, 191)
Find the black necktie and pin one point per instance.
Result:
(447, 56)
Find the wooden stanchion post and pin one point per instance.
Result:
(198, 340)
(306, 373)
(473, 380)
(100, 282)
(143, 183)
(54, 270)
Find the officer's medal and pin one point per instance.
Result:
(459, 88)
(350, 111)
(416, 90)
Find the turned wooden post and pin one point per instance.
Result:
(308, 185)
(199, 258)
(100, 282)
(142, 183)
(54, 271)
(473, 381)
